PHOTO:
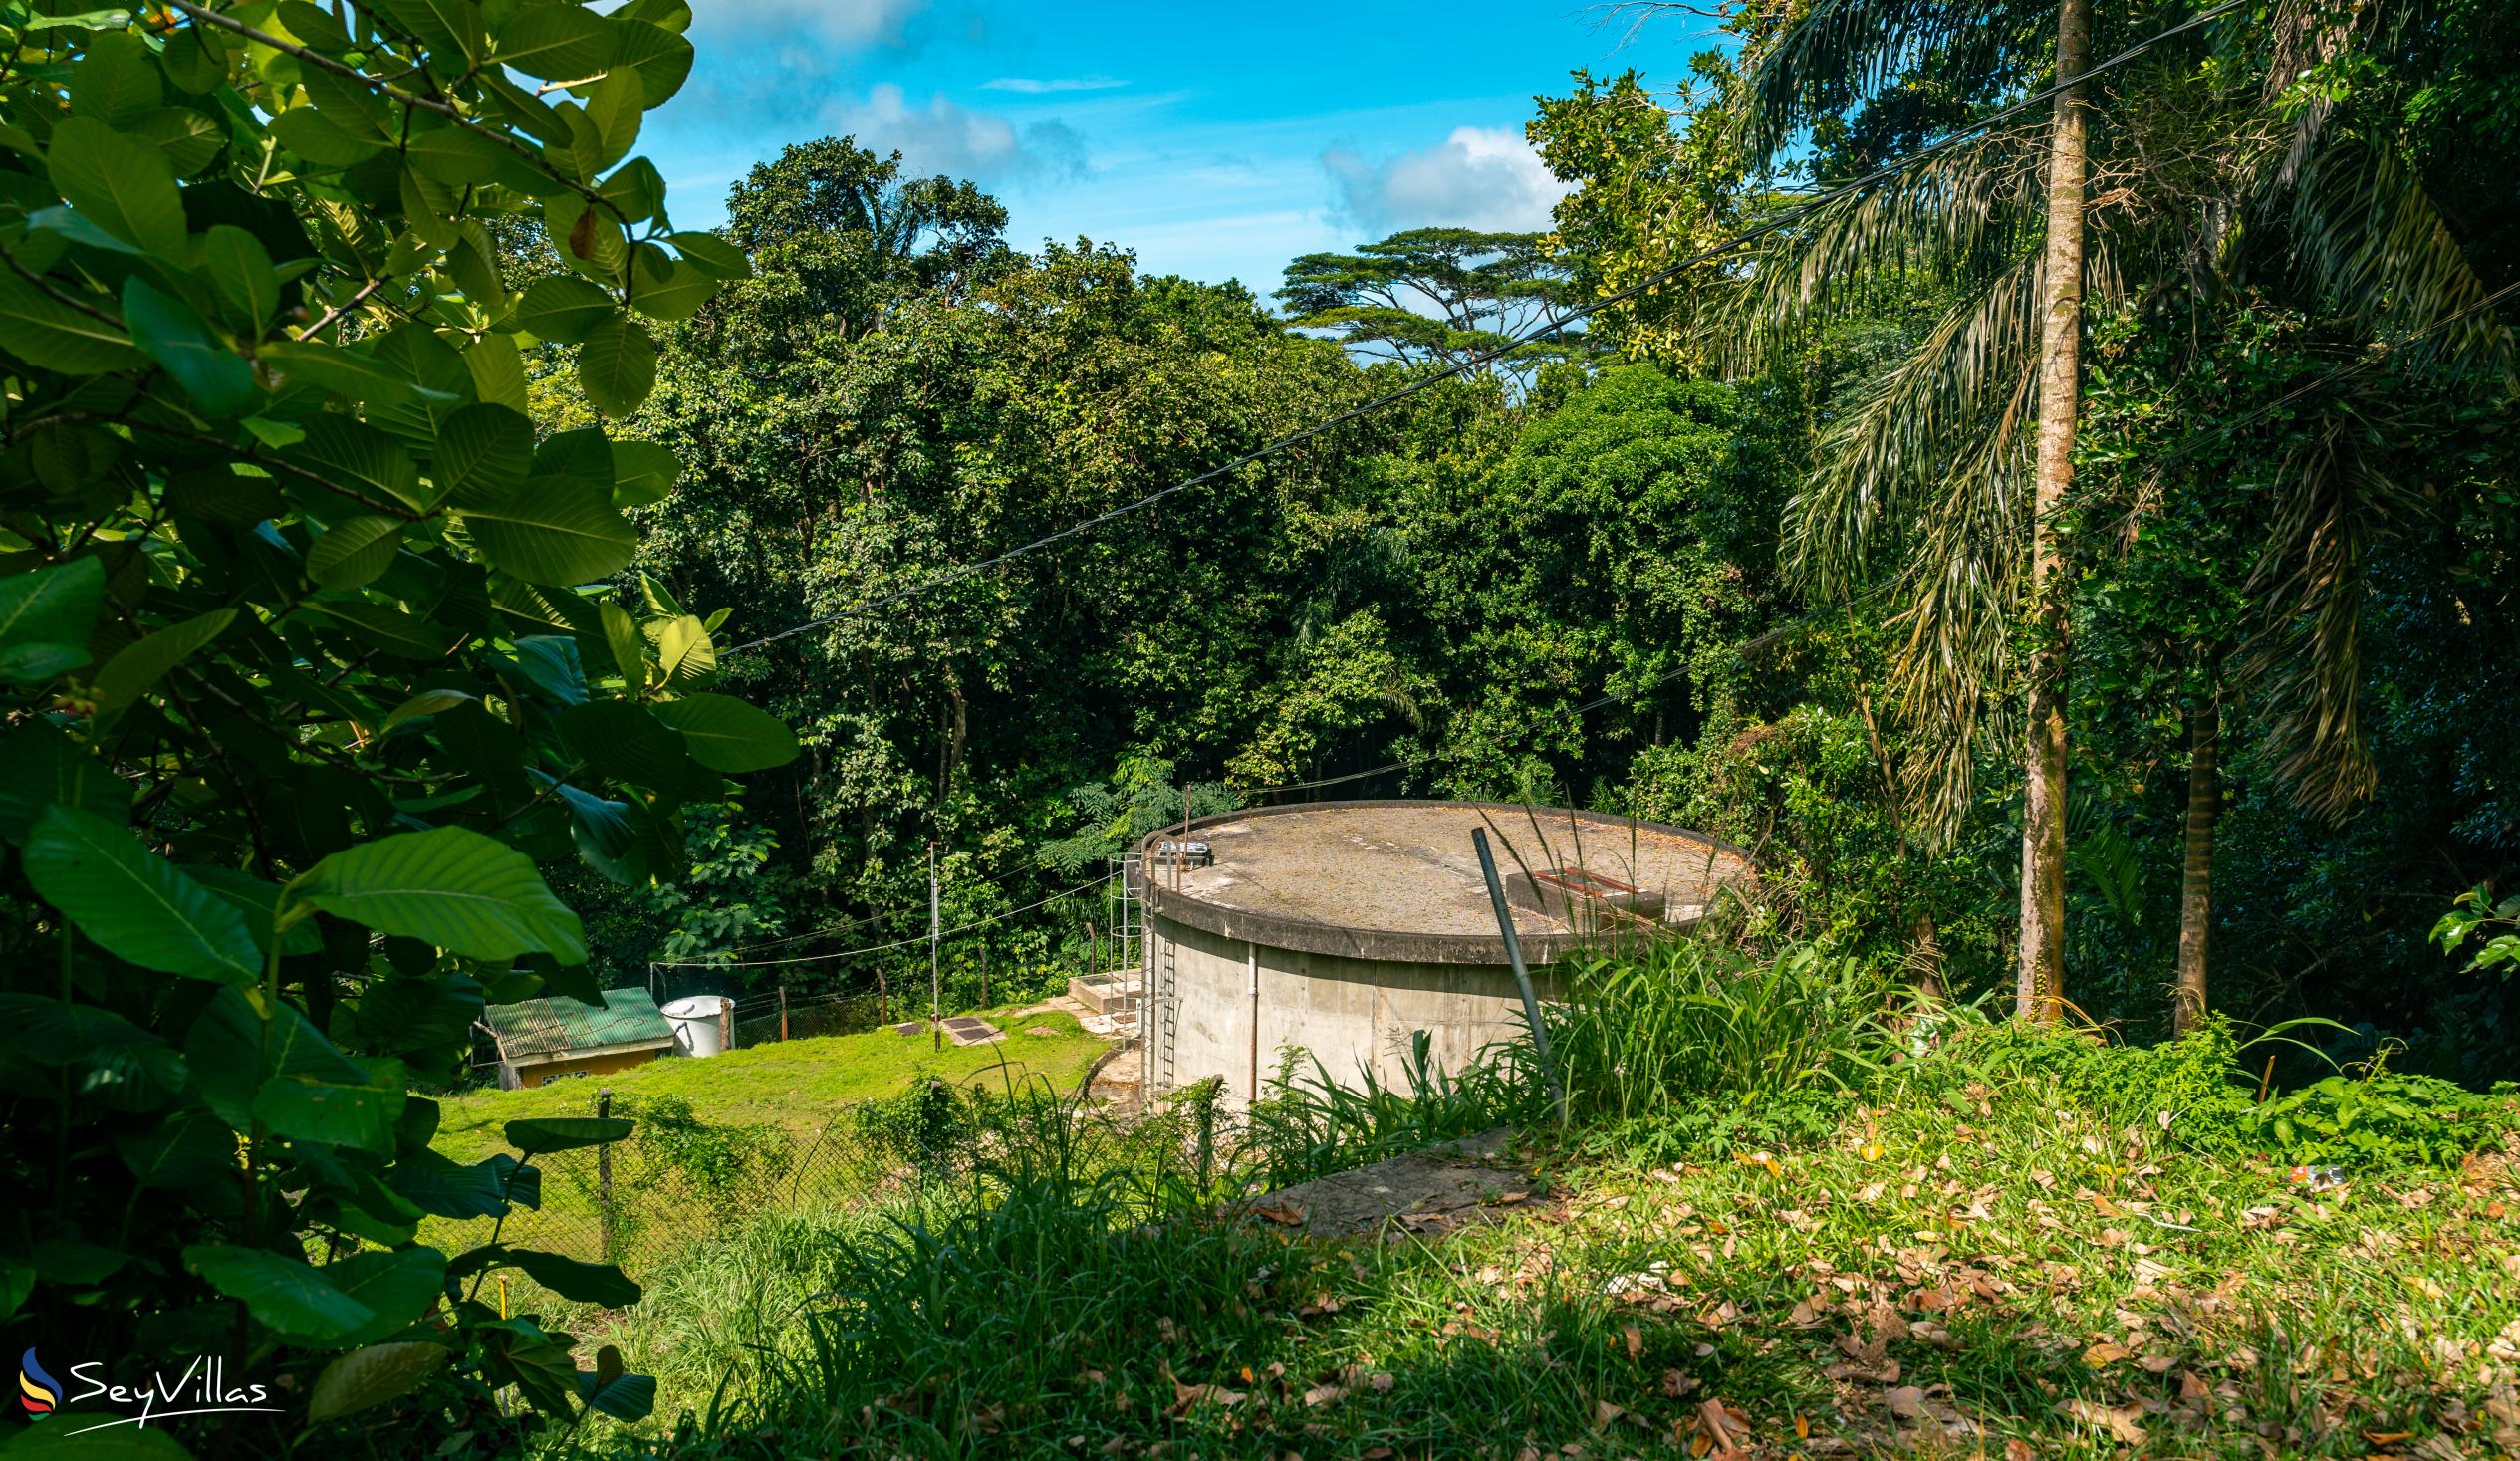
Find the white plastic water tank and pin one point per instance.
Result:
(695, 1019)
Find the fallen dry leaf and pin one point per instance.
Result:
(2105, 1353)
(1907, 1402)
(2119, 1421)
(1286, 1214)
(1635, 1340)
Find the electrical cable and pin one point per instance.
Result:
(941, 936)
(1655, 280)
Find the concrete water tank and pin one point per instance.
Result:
(1344, 927)
(697, 1021)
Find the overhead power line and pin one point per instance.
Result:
(880, 948)
(1483, 358)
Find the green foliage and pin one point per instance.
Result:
(1307, 1123)
(312, 664)
(2494, 926)
(1649, 1029)
(1141, 797)
(2379, 1119)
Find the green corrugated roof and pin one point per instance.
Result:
(543, 1027)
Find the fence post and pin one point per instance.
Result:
(725, 1024)
(604, 1178)
(783, 1013)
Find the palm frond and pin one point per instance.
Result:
(1964, 213)
(2367, 239)
(1839, 51)
(1963, 394)
(2334, 500)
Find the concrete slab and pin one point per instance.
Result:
(1429, 1193)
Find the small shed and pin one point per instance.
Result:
(540, 1039)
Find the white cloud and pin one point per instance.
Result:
(943, 136)
(1480, 177)
(1038, 85)
(848, 22)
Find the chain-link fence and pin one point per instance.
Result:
(676, 1181)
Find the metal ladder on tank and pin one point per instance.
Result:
(1169, 1025)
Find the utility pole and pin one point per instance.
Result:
(935, 926)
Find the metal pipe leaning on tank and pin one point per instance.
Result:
(1522, 975)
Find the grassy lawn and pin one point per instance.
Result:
(1960, 1269)
(798, 1086)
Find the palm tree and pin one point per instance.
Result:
(1946, 469)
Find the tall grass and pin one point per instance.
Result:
(1651, 1026)
(1310, 1124)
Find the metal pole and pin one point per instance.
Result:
(1522, 976)
(603, 1183)
(936, 985)
(1251, 960)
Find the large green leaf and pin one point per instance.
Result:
(360, 460)
(555, 529)
(284, 1294)
(132, 902)
(483, 453)
(622, 740)
(661, 58)
(643, 472)
(354, 551)
(231, 1052)
(401, 1286)
(712, 254)
(543, 1136)
(116, 81)
(44, 332)
(372, 1375)
(186, 1149)
(120, 1066)
(451, 887)
(443, 1188)
(580, 1283)
(556, 42)
(562, 308)
(240, 271)
(46, 618)
(612, 1390)
(219, 381)
(617, 366)
(725, 734)
(142, 663)
(40, 766)
(304, 1109)
(125, 185)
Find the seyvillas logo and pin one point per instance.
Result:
(202, 1389)
(39, 1393)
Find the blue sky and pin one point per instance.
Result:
(1215, 140)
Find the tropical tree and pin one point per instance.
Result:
(1448, 295)
(1950, 469)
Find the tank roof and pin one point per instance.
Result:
(1399, 880)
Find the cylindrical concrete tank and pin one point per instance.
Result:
(697, 1021)
(1345, 927)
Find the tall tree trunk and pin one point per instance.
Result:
(2040, 984)
(2196, 880)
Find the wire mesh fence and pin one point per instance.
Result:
(674, 1183)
